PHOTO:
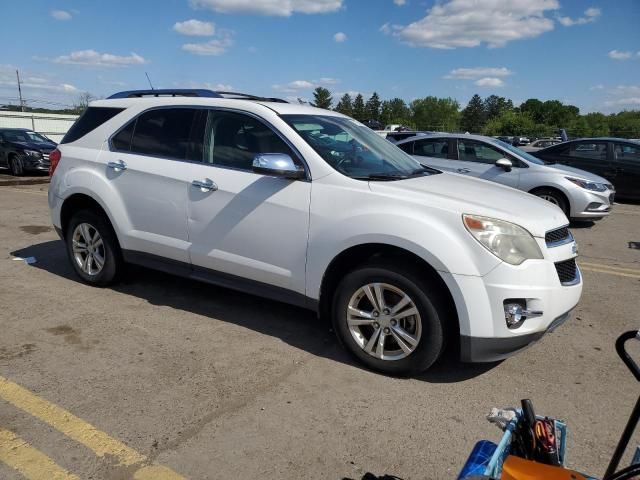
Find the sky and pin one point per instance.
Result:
(585, 53)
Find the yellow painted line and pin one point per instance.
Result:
(31, 463)
(610, 272)
(82, 432)
(611, 267)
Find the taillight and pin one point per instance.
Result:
(54, 159)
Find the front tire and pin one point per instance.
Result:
(15, 166)
(555, 197)
(93, 248)
(390, 318)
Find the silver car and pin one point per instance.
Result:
(581, 195)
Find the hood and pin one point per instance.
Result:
(462, 194)
(576, 172)
(40, 147)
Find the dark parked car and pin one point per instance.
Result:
(23, 150)
(616, 159)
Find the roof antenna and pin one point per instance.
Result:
(149, 80)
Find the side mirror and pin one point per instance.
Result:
(505, 164)
(277, 164)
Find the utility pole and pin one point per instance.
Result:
(20, 92)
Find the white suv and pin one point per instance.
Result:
(310, 207)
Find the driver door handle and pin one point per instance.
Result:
(205, 185)
(118, 166)
(463, 170)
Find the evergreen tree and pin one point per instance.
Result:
(358, 108)
(473, 115)
(322, 98)
(345, 105)
(494, 106)
(372, 107)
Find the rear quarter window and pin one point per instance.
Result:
(91, 119)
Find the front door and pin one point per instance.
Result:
(626, 162)
(479, 158)
(243, 223)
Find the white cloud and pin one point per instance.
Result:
(625, 90)
(33, 85)
(590, 16)
(630, 102)
(466, 23)
(478, 72)
(340, 37)
(61, 15)
(622, 97)
(214, 47)
(620, 55)
(298, 85)
(400, 2)
(489, 82)
(597, 87)
(222, 87)
(91, 58)
(280, 8)
(194, 28)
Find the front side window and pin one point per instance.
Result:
(628, 152)
(589, 150)
(436, 147)
(164, 132)
(355, 150)
(478, 152)
(234, 139)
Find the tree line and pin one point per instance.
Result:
(493, 115)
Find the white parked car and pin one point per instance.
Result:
(311, 207)
(580, 195)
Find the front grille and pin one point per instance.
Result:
(45, 156)
(567, 271)
(558, 235)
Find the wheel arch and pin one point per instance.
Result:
(555, 189)
(357, 255)
(81, 201)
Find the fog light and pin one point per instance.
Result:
(594, 206)
(515, 312)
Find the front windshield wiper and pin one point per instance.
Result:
(382, 176)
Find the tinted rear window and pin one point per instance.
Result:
(91, 119)
(164, 132)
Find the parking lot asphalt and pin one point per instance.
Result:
(165, 378)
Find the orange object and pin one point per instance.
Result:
(516, 468)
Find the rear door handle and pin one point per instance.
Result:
(463, 170)
(118, 166)
(206, 185)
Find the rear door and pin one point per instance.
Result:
(626, 161)
(478, 160)
(435, 152)
(147, 164)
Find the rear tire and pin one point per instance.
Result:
(555, 197)
(403, 291)
(93, 248)
(15, 166)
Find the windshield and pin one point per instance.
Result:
(354, 149)
(24, 136)
(525, 155)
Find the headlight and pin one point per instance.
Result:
(587, 185)
(507, 241)
(33, 153)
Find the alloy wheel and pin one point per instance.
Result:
(88, 249)
(551, 199)
(384, 321)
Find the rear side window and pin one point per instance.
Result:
(91, 119)
(407, 147)
(164, 132)
(438, 148)
(589, 150)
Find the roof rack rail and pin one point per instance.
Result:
(247, 96)
(180, 92)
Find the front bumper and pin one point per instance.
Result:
(589, 205)
(480, 303)
(36, 163)
(478, 349)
